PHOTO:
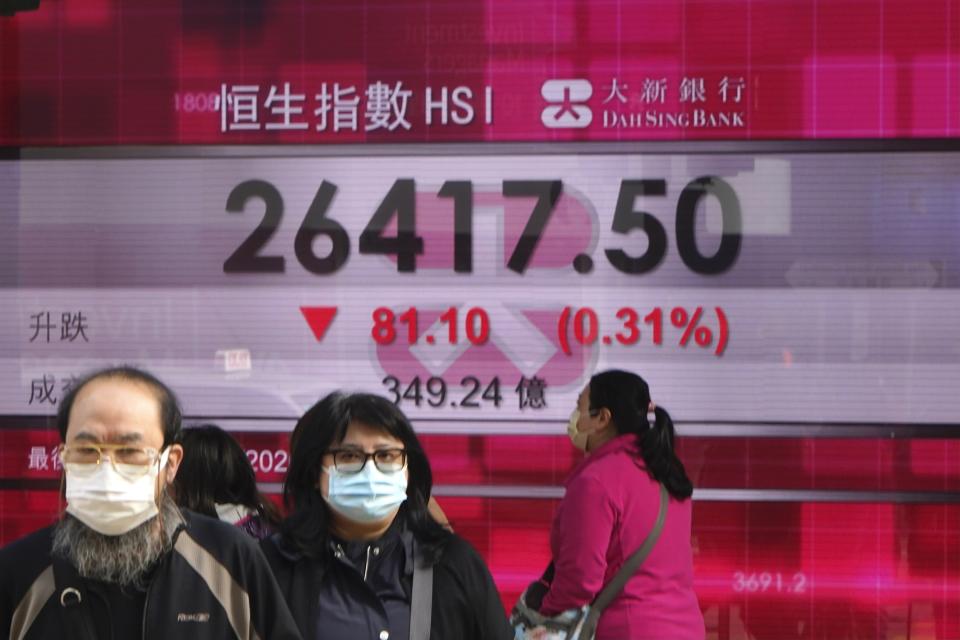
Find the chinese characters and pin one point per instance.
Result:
(340, 107)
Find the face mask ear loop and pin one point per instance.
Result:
(61, 497)
(160, 490)
(160, 484)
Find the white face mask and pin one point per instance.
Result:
(108, 502)
(578, 438)
(367, 496)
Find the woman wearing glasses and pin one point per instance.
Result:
(360, 555)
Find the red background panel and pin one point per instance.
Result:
(778, 569)
(105, 72)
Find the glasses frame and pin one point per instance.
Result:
(124, 469)
(367, 457)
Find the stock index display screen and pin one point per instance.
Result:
(803, 339)
(470, 208)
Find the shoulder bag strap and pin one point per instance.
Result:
(421, 602)
(619, 581)
(72, 595)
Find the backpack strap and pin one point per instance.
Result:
(72, 595)
(629, 568)
(421, 601)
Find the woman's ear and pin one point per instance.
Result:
(604, 419)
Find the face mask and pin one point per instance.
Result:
(578, 438)
(108, 502)
(367, 496)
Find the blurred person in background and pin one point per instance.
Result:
(217, 480)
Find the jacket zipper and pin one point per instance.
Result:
(146, 605)
(157, 570)
(366, 567)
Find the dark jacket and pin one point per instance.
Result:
(215, 583)
(466, 605)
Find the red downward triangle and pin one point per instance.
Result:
(319, 319)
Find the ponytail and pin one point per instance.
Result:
(627, 397)
(663, 465)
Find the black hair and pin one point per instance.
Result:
(324, 425)
(215, 470)
(170, 416)
(627, 397)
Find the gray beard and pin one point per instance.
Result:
(124, 560)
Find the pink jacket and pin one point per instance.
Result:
(609, 508)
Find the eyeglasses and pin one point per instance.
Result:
(130, 462)
(354, 460)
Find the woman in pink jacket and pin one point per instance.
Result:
(611, 504)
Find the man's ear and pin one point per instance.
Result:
(173, 462)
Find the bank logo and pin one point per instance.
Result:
(567, 109)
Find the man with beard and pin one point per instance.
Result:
(124, 562)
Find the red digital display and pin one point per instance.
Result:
(430, 70)
(763, 569)
(813, 284)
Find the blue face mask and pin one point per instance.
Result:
(367, 496)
